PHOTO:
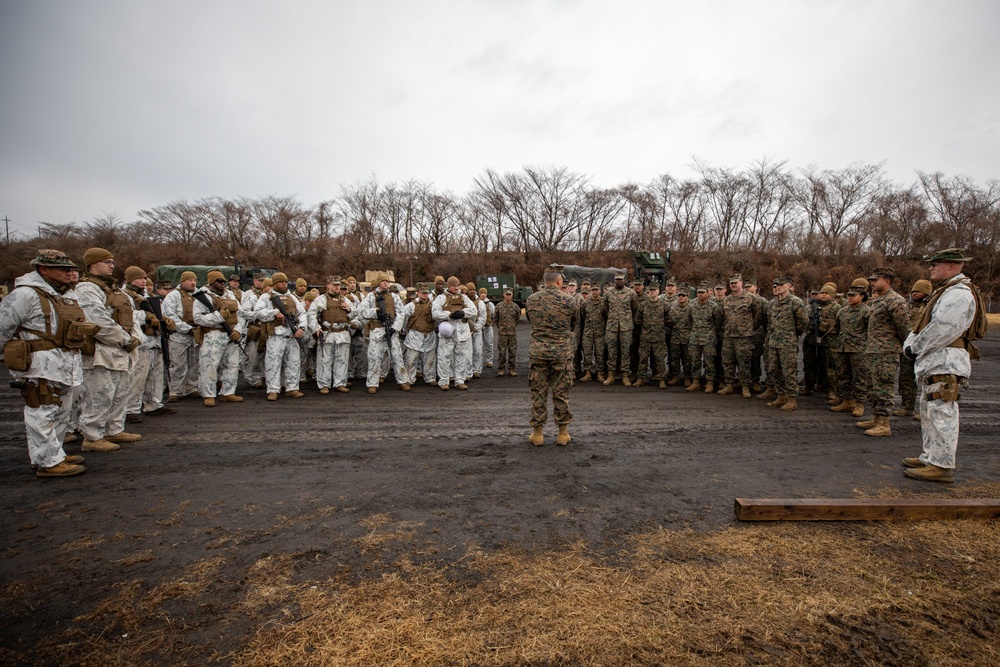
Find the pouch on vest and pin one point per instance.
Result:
(17, 355)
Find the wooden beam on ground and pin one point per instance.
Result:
(864, 509)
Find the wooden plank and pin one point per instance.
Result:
(864, 509)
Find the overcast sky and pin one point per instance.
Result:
(116, 106)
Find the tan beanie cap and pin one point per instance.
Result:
(301, 282)
(134, 273)
(922, 286)
(830, 289)
(188, 275)
(453, 281)
(95, 255)
(279, 277)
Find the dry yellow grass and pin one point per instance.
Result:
(993, 319)
(878, 593)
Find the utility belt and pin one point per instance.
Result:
(948, 388)
(38, 392)
(336, 326)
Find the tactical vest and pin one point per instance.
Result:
(291, 307)
(187, 307)
(421, 319)
(976, 330)
(229, 304)
(334, 313)
(117, 301)
(73, 331)
(140, 299)
(389, 309)
(453, 303)
(489, 313)
(238, 293)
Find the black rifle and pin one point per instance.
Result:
(291, 321)
(386, 321)
(154, 305)
(814, 325)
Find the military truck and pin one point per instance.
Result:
(496, 284)
(173, 272)
(650, 266)
(599, 276)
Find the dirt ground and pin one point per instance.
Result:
(321, 479)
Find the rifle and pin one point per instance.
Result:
(386, 321)
(203, 298)
(814, 325)
(154, 305)
(291, 321)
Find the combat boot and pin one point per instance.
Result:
(324, 390)
(294, 393)
(902, 412)
(99, 446)
(123, 437)
(639, 383)
(372, 390)
(868, 423)
(756, 387)
(663, 384)
(600, 378)
(726, 390)
(836, 400)
(931, 473)
(746, 392)
(513, 373)
(563, 439)
(881, 428)
(209, 402)
(778, 401)
(501, 373)
(61, 469)
(537, 438)
(789, 404)
(831, 396)
(674, 381)
(859, 410)
(687, 382)
(694, 386)
(272, 396)
(768, 394)
(587, 377)
(844, 406)
(710, 387)
(231, 398)
(913, 462)
(405, 386)
(343, 390)
(625, 380)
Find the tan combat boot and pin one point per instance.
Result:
(272, 396)
(99, 446)
(710, 387)
(294, 393)
(674, 381)
(881, 428)
(913, 462)
(209, 402)
(726, 390)
(501, 373)
(859, 410)
(663, 384)
(61, 469)
(902, 412)
(843, 406)
(746, 392)
(836, 400)
(537, 438)
(608, 381)
(868, 423)
(123, 437)
(587, 377)
(768, 395)
(789, 404)
(931, 473)
(626, 381)
(324, 390)
(687, 382)
(694, 386)
(512, 373)
(641, 382)
(563, 439)
(779, 400)
(600, 377)
(231, 398)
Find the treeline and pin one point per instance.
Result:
(761, 219)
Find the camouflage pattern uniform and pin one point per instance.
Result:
(952, 313)
(814, 378)
(852, 360)
(651, 319)
(829, 346)
(679, 326)
(786, 319)
(619, 305)
(703, 320)
(888, 327)
(907, 375)
(508, 315)
(742, 316)
(553, 317)
(594, 324)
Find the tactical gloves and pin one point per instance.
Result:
(458, 314)
(132, 343)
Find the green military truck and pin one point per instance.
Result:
(496, 284)
(601, 277)
(173, 272)
(650, 266)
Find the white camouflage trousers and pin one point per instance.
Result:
(152, 392)
(332, 360)
(252, 364)
(46, 426)
(281, 354)
(218, 359)
(183, 364)
(102, 411)
(488, 344)
(453, 360)
(415, 359)
(477, 352)
(938, 427)
(137, 381)
(377, 351)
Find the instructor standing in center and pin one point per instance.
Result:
(553, 316)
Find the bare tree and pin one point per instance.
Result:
(835, 201)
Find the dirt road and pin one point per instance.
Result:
(322, 476)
